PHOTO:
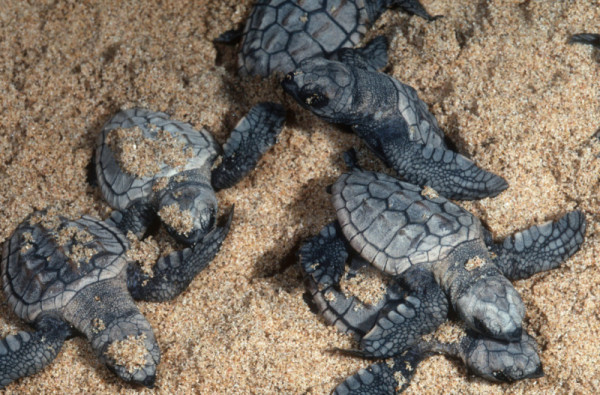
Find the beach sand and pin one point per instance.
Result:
(499, 76)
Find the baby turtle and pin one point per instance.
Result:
(279, 34)
(67, 276)
(586, 38)
(491, 359)
(437, 255)
(148, 162)
(389, 116)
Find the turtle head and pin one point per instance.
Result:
(144, 374)
(491, 306)
(127, 346)
(322, 86)
(188, 210)
(497, 360)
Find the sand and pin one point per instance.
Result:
(498, 75)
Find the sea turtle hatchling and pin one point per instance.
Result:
(488, 358)
(435, 254)
(279, 34)
(67, 276)
(394, 123)
(147, 162)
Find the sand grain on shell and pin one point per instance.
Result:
(27, 242)
(143, 156)
(429, 192)
(499, 77)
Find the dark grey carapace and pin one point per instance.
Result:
(144, 158)
(437, 257)
(279, 34)
(65, 277)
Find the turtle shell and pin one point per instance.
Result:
(393, 225)
(43, 268)
(138, 150)
(281, 33)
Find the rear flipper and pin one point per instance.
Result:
(586, 38)
(449, 173)
(27, 353)
(412, 7)
(371, 57)
(250, 139)
(540, 248)
(173, 273)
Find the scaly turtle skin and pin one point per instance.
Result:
(438, 256)
(586, 38)
(389, 116)
(279, 34)
(73, 276)
(167, 164)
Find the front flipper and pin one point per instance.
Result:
(412, 7)
(402, 324)
(449, 173)
(384, 377)
(250, 139)
(586, 38)
(27, 353)
(324, 256)
(386, 327)
(540, 248)
(135, 218)
(371, 57)
(173, 273)
(323, 259)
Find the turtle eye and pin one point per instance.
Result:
(313, 98)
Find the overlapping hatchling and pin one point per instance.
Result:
(437, 257)
(68, 276)
(279, 34)
(150, 164)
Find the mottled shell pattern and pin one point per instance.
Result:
(394, 225)
(198, 150)
(281, 33)
(43, 268)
